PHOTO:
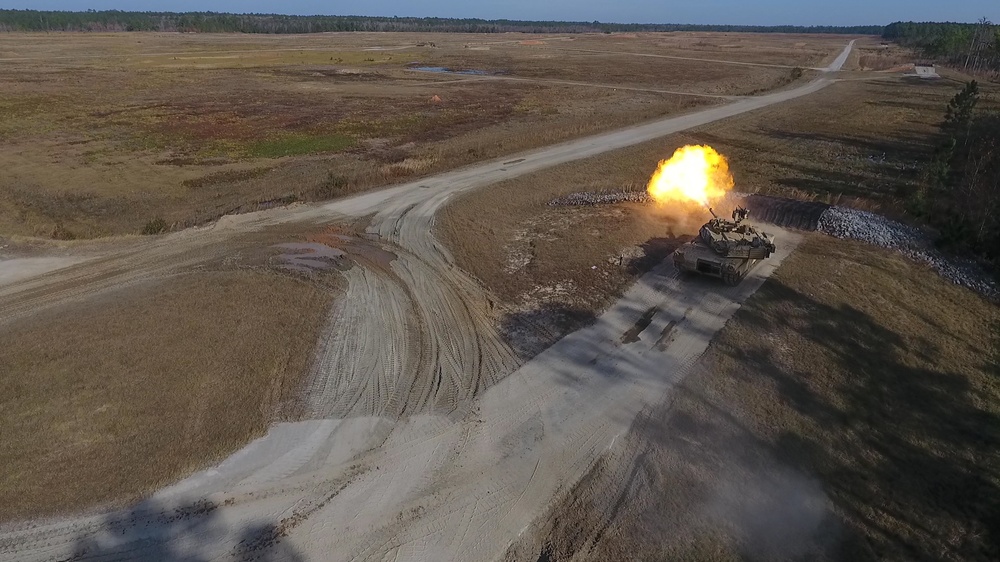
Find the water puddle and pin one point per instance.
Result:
(446, 70)
(310, 256)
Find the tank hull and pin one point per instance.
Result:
(696, 257)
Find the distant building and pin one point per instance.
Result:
(926, 71)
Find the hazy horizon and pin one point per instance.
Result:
(705, 12)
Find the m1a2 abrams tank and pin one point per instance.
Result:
(725, 249)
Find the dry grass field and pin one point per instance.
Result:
(859, 142)
(104, 133)
(849, 411)
(147, 383)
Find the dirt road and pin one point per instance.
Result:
(429, 443)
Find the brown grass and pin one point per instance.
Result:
(877, 57)
(104, 132)
(860, 143)
(770, 48)
(111, 398)
(849, 411)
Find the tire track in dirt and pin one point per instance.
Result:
(515, 459)
(476, 458)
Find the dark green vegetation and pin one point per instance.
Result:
(114, 20)
(961, 196)
(972, 47)
(155, 226)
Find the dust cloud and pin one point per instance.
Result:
(772, 515)
(680, 219)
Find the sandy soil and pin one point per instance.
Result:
(15, 269)
(430, 447)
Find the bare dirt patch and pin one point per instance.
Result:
(557, 266)
(841, 414)
(110, 398)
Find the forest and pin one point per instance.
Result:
(961, 194)
(211, 22)
(971, 47)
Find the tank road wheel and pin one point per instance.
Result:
(732, 276)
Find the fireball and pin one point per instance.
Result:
(695, 173)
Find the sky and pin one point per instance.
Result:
(742, 12)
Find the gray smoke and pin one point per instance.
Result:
(772, 515)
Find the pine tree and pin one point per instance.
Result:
(958, 114)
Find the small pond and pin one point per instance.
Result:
(445, 70)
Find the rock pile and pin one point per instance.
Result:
(912, 242)
(601, 198)
(841, 222)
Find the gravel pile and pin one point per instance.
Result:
(841, 222)
(601, 198)
(912, 242)
(611, 197)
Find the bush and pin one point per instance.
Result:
(333, 186)
(960, 195)
(60, 232)
(155, 226)
(796, 73)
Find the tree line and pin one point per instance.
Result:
(971, 47)
(212, 22)
(961, 192)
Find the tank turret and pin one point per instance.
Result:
(733, 239)
(725, 248)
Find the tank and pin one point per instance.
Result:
(727, 249)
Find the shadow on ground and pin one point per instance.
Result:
(192, 533)
(654, 251)
(529, 332)
(902, 450)
(868, 167)
(532, 330)
(851, 445)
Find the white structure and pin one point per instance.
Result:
(925, 71)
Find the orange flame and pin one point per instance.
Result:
(694, 173)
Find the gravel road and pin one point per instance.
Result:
(429, 442)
